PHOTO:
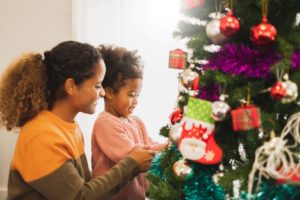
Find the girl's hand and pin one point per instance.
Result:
(143, 157)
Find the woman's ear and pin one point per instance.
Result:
(70, 86)
(108, 92)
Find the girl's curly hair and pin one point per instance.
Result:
(22, 90)
(121, 65)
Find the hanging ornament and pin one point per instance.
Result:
(291, 92)
(189, 4)
(176, 116)
(182, 169)
(197, 140)
(189, 78)
(263, 33)
(175, 133)
(286, 90)
(229, 24)
(177, 59)
(220, 109)
(278, 91)
(278, 158)
(214, 33)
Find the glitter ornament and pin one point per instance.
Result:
(175, 133)
(188, 78)
(291, 92)
(214, 33)
(278, 90)
(220, 109)
(176, 116)
(229, 25)
(182, 169)
(263, 33)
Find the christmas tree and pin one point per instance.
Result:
(235, 133)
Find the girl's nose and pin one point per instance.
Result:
(135, 100)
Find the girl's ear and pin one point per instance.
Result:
(108, 92)
(70, 86)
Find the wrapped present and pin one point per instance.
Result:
(189, 4)
(177, 59)
(197, 140)
(246, 118)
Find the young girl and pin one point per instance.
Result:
(43, 96)
(116, 132)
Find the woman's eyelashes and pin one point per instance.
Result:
(98, 86)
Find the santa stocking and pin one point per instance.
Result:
(197, 140)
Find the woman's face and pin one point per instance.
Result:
(89, 91)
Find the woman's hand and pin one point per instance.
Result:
(143, 157)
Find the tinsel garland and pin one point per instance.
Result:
(210, 93)
(155, 167)
(295, 60)
(273, 191)
(241, 60)
(200, 186)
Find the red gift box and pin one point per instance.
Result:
(177, 59)
(189, 4)
(246, 118)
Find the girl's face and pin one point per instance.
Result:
(123, 102)
(90, 90)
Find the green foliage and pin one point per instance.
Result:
(274, 114)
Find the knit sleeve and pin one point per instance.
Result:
(113, 139)
(155, 146)
(66, 183)
(54, 175)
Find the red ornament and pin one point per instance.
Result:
(229, 24)
(278, 91)
(263, 33)
(189, 4)
(291, 177)
(176, 116)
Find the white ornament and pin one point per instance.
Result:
(214, 33)
(275, 158)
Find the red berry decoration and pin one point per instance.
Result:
(229, 24)
(176, 116)
(264, 33)
(278, 91)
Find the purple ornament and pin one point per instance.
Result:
(241, 60)
(296, 60)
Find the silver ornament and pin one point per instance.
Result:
(214, 33)
(182, 169)
(219, 110)
(291, 91)
(175, 133)
(187, 78)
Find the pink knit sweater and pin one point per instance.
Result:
(113, 138)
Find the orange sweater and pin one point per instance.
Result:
(49, 163)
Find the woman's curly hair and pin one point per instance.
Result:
(32, 84)
(18, 102)
(121, 65)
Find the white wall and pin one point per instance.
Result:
(145, 25)
(30, 25)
